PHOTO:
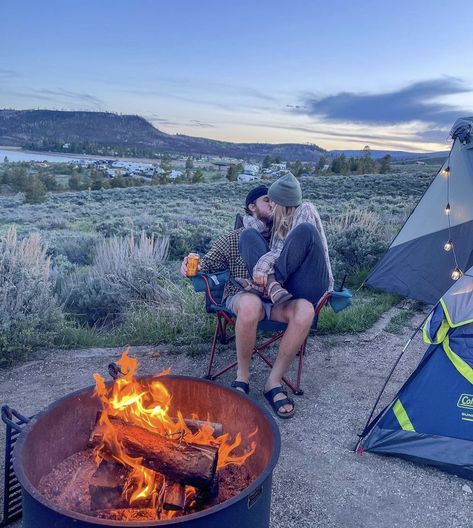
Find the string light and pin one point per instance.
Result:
(448, 245)
(447, 209)
(446, 171)
(456, 274)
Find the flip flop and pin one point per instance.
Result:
(241, 385)
(276, 405)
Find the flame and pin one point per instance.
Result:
(146, 404)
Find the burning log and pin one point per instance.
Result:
(174, 496)
(96, 435)
(106, 486)
(184, 463)
(195, 425)
(209, 494)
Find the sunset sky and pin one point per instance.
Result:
(340, 74)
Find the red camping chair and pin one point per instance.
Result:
(213, 285)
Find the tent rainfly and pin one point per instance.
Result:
(419, 264)
(430, 420)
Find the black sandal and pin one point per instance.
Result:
(276, 405)
(241, 385)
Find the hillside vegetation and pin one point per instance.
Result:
(107, 261)
(110, 134)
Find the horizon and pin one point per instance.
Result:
(339, 76)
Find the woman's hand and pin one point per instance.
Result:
(260, 279)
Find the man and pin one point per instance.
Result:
(250, 308)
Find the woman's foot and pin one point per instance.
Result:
(282, 405)
(249, 287)
(277, 293)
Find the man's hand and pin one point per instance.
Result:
(184, 267)
(260, 279)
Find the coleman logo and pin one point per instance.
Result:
(465, 401)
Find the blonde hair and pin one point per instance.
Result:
(282, 220)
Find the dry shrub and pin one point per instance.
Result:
(29, 314)
(125, 271)
(356, 240)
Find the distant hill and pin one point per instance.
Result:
(108, 133)
(395, 154)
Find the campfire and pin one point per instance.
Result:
(145, 459)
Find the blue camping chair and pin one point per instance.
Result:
(213, 284)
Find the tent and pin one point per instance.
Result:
(416, 264)
(430, 420)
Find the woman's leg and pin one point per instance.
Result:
(301, 265)
(252, 247)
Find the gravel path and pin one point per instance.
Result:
(319, 481)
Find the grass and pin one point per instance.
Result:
(368, 306)
(400, 321)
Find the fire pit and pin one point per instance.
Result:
(63, 431)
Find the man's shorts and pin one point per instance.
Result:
(230, 303)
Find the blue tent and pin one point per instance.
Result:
(431, 418)
(416, 264)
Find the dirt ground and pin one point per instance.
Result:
(319, 481)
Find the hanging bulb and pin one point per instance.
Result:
(448, 245)
(456, 274)
(446, 171)
(447, 209)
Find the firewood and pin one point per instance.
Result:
(106, 486)
(209, 495)
(96, 435)
(174, 496)
(195, 425)
(185, 463)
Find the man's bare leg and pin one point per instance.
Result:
(249, 311)
(298, 314)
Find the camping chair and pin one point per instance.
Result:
(213, 284)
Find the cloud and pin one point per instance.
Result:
(7, 74)
(59, 97)
(416, 102)
(155, 119)
(199, 124)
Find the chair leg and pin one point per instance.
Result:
(217, 334)
(298, 390)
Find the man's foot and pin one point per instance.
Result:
(241, 386)
(278, 294)
(282, 405)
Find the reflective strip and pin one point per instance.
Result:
(439, 336)
(449, 319)
(402, 417)
(426, 330)
(463, 368)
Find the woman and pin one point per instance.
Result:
(296, 263)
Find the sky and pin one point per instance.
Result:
(339, 74)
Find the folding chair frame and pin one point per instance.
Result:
(220, 335)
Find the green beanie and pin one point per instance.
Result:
(286, 191)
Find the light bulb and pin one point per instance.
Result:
(448, 245)
(446, 171)
(456, 274)
(447, 209)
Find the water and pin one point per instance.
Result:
(18, 155)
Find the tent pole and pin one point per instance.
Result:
(360, 436)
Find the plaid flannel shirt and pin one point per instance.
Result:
(225, 254)
(306, 212)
